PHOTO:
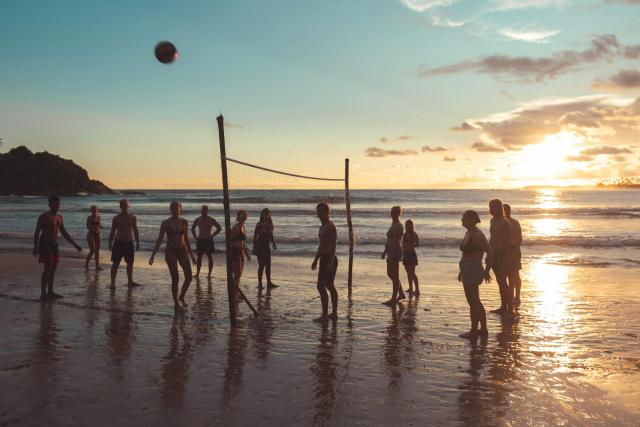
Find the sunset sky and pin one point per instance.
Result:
(417, 93)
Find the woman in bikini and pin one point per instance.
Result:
(177, 251)
(410, 242)
(238, 246)
(393, 253)
(263, 241)
(472, 273)
(93, 237)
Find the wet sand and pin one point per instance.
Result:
(124, 358)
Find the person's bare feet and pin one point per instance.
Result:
(178, 307)
(390, 303)
(469, 335)
(401, 296)
(417, 293)
(517, 302)
(321, 319)
(55, 295)
(271, 285)
(134, 284)
(333, 316)
(484, 333)
(182, 301)
(99, 268)
(499, 310)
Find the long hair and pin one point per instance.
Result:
(265, 218)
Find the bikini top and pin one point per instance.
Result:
(172, 231)
(468, 247)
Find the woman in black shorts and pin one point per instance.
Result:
(238, 246)
(393, 253)
(263, 241)
(410, 242)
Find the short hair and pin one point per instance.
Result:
(473, 215)
(498, 204)
(175, 203)
(396, 211)
(507, 209)
(322, 207)
(205, 207)
(407, 222)
(93, 207)
(53, 198)
(240, 213)
(124, 201)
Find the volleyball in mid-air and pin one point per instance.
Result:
(166, 52)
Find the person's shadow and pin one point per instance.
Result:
(262, 327)
(324, 369)
(474, 400)
(120, 327)
(175, 364)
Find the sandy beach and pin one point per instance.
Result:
(572, 357)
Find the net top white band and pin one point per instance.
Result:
(281, 172)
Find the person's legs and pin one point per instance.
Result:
(324, 300)
(184, 261)
(172, 263)
(267, 270)
(517, 284)
(394, 292)
(260, 269)
(90, 244)
(416, 291)
(44, 280)
(397, 283)
(96, 248)
(407, 268)
(199, 263)
(51, 278)
(130, 281)
(505, 292)
(114, 272)
(469, 294)
(210, 256)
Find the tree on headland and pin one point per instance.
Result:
(626, 182)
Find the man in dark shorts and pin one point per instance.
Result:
(204, 238)
(326, 254)
(515, 283)
(124, 229)
(45, 246)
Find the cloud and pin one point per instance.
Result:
(400, 138)
(529, 69)
(579, 158)
(448, 159)
(630, 2)
(379, 152)
(232, 125)
(486, 148)
(530, 36)
(428, 149)
(595, 151)
(404, 137)
(526, 4)
(422, 5)
(464, 127)
(595, 118)
(623, 79)
(384, 139)
(619, 158)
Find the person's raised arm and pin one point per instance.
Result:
(158, 243)
(186, 240)
(89, 222)
(136, 235)
(112, 233)
(68, 238)
(36, 236)
(417, 242)
(193, 229)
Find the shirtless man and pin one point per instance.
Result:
(204, 238)
(500, 241)
(124, 229)
(326, 254)
(516, 256)
(45, 246)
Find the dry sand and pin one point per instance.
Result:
(99, 357)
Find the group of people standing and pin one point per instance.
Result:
(502, 250)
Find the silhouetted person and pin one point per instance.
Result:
(410, 242)
(124, 229)
(177, 251)
(263, 241)
(45, 246)
(239, 247)
(472, 273)
(326, 254)
(500, 241)
(393, 253)
(516, 256)
(93, 237)
(204, 239)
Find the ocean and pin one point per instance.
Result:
(581, 227)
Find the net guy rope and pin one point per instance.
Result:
(227, 215)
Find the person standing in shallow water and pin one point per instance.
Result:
(263, 241)
(410, 242)
(393, 253)
(516, 256)
(204, 239)
(45, 246)
(93, 237)
(326, 255)
(500, 241)
(472, 273)
(239, 247)
(177, 251)
(124, 229)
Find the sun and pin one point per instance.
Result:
(543, 163)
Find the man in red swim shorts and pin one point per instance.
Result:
(45, 246)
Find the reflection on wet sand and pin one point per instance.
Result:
(175, 364)
(474, 403)
(504, 361)
(398, 349)
(205, 311)
(324, 367)
(236, 349)
(120, 328)
(92, 278)
(262, 328)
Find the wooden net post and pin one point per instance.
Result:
(231, 288)
(347, 199)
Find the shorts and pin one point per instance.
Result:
(205, 246)
(327, 273)
(472, 272)
(410, 258)
(499, 261)
(122, 249)
(516, 258)
(48, 252)
(394, 254)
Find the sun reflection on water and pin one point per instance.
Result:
(548, 198)
(549, 227)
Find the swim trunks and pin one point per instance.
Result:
(205, 246)
(327, 272)
(122, 249)
(48, 252)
